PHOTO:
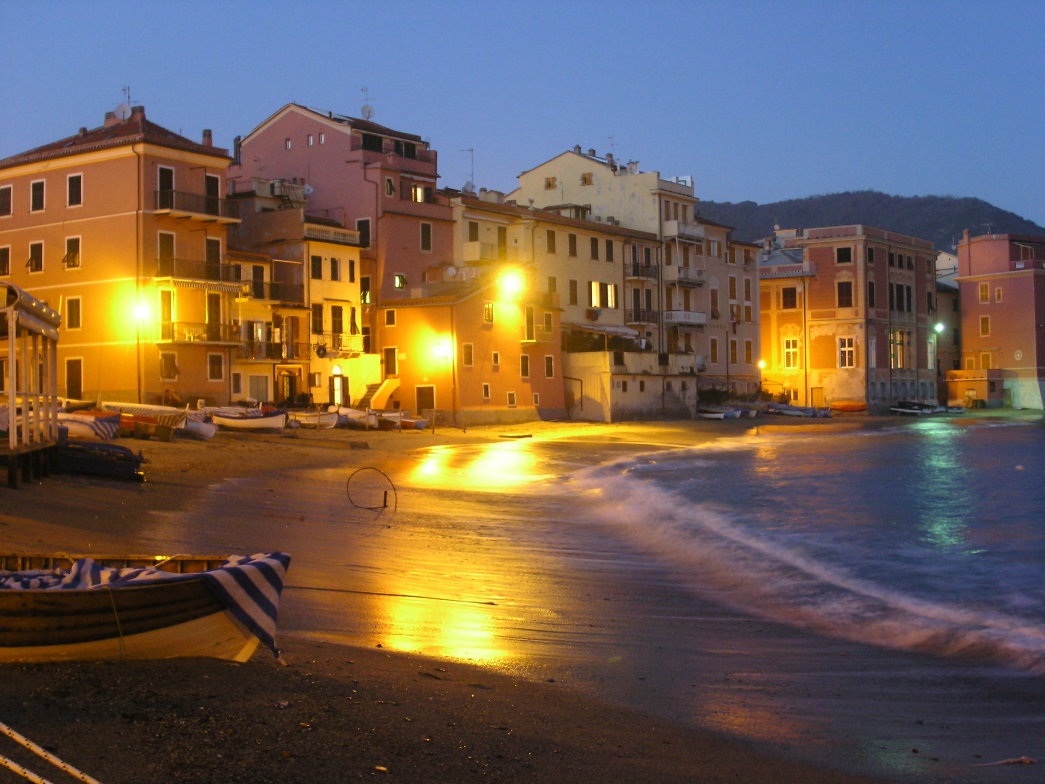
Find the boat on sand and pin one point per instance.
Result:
(250, 419)
(62, 608)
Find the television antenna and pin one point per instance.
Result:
(471, 171)
(367, 111)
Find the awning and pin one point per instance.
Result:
(606, 329)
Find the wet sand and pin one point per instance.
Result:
(353, 700)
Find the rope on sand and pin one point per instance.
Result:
(40, 752)
(383, 505)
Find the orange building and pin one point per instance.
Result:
(121, 228)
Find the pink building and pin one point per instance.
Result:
(1002, 281)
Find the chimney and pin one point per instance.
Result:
(111, 119)
(591, 152)
(208, 141)
(138, 110)
(577, 149)
(83, 131)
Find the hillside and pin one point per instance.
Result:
(940, 219)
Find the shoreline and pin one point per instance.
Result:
(427, 719)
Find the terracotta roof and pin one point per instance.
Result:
(366, 126)
(135, 129)
(476, 203)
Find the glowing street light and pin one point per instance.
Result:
(510, 283)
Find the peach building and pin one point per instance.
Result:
(121, 228)
(847, 317)
(1002, 282)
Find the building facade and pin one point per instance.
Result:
(122, 229)
(1002, 282)
(847, 317)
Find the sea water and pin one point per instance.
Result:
(929, 537)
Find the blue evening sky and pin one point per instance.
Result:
(757, 100)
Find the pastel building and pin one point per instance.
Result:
(847, 316)
(696, 294)
(1002, 281)
(122, 229)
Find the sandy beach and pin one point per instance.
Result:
(343, 706)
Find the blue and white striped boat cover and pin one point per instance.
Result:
(104, 428)
(248, 585)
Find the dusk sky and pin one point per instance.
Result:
(758, 101)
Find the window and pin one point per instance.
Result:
(5, 261)
(587, 178)
(422, 194)
(845, 294)
(322, 138)
(286, 143)
(399, 280)
(215, 367)
(309, 140)
(747, 289)
(846, 353)
(524, 365)
(789, 298)
(552, 284)
(74, 190)
(713, 349)
(997, 294)
(36, 196)
(237, 383)
(364, 290)
(872, 352)
(72, 252)
(870, 293)
(791, 353)
(985, 292)
(573, 292)
(390, 187)
(897, 348)
(317, 319)
(733, 351)
(488, 312)
(843, 255)
(468, 354)
(426, 236)
(551, 241)
(573, 245)
(714, 248)
(732, 287)
(748, 351)
(72, 313)
(486, 391)
(363, 227)
(747, 313)
(536, 398)
(317, 267)
(609, 250)
(892, 259)
(473, 231)
(985, 360)
(647, 256)
(511, 400)
(36, 257)
(335, 269)
(549, 183)
(168, 366)
(869, 255)
(985, 326)
(495, 359)
(5, 200)
(390, 317)
(594, 249)
(549, 366)
(351, 270)
(910, 298)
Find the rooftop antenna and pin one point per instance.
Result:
(471, 171)
(123, 111)
(367, 111)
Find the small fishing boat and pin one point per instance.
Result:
(250, 419)
(718, 412)
(99, 459)
(92, 424)
(61, 608)
(317, 420)
(199, 429)
(785, 409)
(357, 418)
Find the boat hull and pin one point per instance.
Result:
(317, 421)
(272, 423)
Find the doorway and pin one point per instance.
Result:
(424, 397)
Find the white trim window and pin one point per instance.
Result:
(846, 353)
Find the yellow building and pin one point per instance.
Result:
(121, 228)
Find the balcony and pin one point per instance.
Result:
(487, 253)
(640, 316)
(331, 234)
(539, 334)
(271, 351)
(640, 271)
(274, 291)
(683, 230)
(197, 332)
(685, 276)
(190, 270)
(331, 345)
(197, 206)
(684, 319)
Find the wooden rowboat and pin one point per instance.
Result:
(138, 608)
(251, 420)
(317, 420)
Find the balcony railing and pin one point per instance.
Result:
(331, 344)
(189, 269)
(693, 276)
(332, 234)
(196, 332)
(485, 252)
(196, 205)
(274, 291)
(645, 271)
(270, 351)
(539, 334)
(684, 318)
(640, 316)
(683, 230)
